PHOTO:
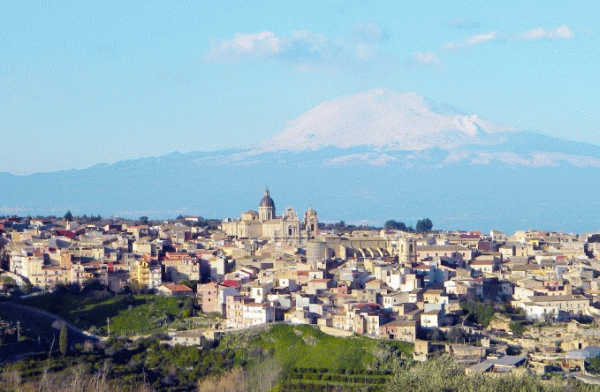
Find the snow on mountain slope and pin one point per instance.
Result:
(384, 119)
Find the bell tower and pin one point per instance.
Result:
(311, 223)
(407, 252)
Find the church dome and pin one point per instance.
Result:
(266, 200)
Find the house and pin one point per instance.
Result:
(181, 266)
(431, 319)
(458, 287)
(301, 317)
(318, 285)
(455, 253)
(554, 306)
(187, 338)
(390, 300)
(421, 350)
(497, 236)
(375, 285)
(259, 292)
(434, 296)
(580, 356)
(500, 364)
(405, 331)
(506, 363)
(257, 314)
(235, 311)
(175, 290)
(465, 352)
(485, 264)
(147, 272)
(208, 297)
(373, 322)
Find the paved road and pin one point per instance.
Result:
(45, 323)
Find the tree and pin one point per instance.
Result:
(593, 365)
(144, 220)
(424, 225)
(456, 334)
(69, 216)
(478, 312)
(395, 225)
(517, 328)
(63, 340)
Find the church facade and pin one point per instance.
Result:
(266, 225)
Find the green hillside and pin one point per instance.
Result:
(128, 314)
(304, 346)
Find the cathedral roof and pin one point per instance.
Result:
(266, 200)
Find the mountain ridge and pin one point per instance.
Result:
(525, 180)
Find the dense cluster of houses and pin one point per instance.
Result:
(384, 284)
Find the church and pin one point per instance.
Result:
(266, 225)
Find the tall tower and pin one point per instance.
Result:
(407, 252)
(311, 223)
(266, 208)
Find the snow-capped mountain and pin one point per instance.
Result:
(371, 156)
(387, 120)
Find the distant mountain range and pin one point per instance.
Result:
(364, 158)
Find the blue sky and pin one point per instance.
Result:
(82, 84)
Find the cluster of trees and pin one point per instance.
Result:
(123, 365)
(423, 226)
(444, 374)
(478, 312)
(69, 217)
(343, 226)
(212, 224)
(517, 327)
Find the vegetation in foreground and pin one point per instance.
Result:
(125, 314)
(444, 374)
(270, 359)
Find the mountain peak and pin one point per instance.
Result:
(384, 119)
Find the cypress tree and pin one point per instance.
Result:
(63, 341)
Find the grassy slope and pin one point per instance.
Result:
(305, 346)
(127, 314)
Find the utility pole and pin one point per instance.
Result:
(108, 322)
(18, 330)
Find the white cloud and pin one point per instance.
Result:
(561, 32)
(11, 210)
(427, 58)
(244, 45)
(306, 51)
(534, 159)
(475, 40)
(372, 159)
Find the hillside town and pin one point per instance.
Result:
(495, 301)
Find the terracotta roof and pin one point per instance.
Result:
(483, 262)
(231, 283)
(178, 287)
